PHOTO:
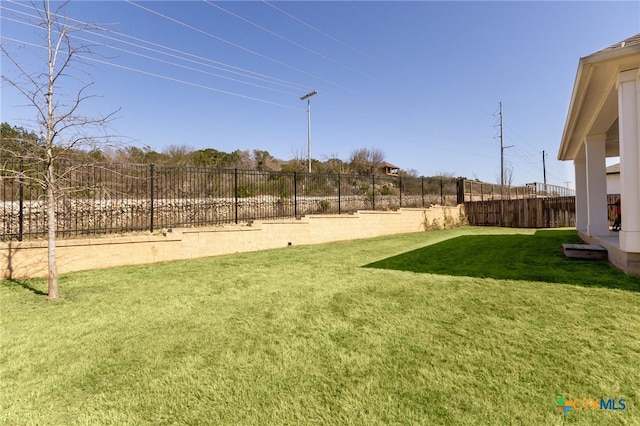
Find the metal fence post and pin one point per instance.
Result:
(373, 192)
(441, 193)
(295, 194)
(21, 202)
(422, 189)
(235, 193)
(339, 194)
(400, 185)
(151, 194)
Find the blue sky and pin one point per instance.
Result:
(420, 81)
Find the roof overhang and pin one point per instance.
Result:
(593, 109)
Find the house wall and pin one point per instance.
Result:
(29, 259)
(613, 183)
(629, 141)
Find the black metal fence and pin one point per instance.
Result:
(110, 198)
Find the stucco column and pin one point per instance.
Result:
(629, 126)
(580, 170)
(598, 221)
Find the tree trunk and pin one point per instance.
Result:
(52, 276)
(50, 180)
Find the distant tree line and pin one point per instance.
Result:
(18, 142)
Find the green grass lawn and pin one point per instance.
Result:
(482, 326)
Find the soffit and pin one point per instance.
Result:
(594, 102)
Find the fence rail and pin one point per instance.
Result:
(531, 206)
(470, 191)
(108, 198)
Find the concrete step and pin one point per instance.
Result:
(584, 251)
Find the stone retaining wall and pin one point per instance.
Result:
(89, 216)
(29, 258)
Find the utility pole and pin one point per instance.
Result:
(308, 98)
(502, 148)
(544, 171)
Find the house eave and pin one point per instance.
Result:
(595, 80)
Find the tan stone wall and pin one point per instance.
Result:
(29, 259)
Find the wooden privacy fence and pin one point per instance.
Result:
(612, 212)
(531, 206)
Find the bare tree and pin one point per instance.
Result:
(409, 173)
(365, 161)
(443, 174)
(332, 164)
(508, 176)
(298, 161)
(56, 93)
(178, 155)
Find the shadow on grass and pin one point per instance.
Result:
(25, 285)
(537, 257)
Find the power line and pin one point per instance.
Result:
(380, 63)
(525, 161)
(521, 138)
(191, 68)
(155, 51)
(273, 33)
(245, 73)
(200, 86)
(218, 65)
(196, 85)
(270, 79)
(536, 165)
(329, 36)
(178, 65)
(246, 49)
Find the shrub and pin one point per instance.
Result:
(448, 221)
(325, 206)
